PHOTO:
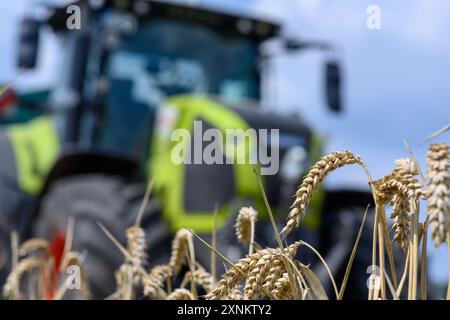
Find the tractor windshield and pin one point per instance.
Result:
(168, 57)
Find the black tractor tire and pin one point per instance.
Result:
(93, 199)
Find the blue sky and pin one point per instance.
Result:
(396, 78)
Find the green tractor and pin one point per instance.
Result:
(132, 72)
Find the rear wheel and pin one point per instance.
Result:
(109, 200)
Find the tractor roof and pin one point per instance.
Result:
(257, 29)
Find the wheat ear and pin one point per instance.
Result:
(398, 188)
(402, 187)
(254, 267)
(245, 225)
(137, 247)
(282, 287)
(437, 191)
(33, 245)
(275, 272)
(401, 227)
(124, 281)
(181, 244)
(268, 268)
(232, 277)
(312, 181)
(235, 294)
(258, 275)
(201, 278)
(154, 281)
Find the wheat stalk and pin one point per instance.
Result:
(180, 294)
(125, 274)
(437, 133)
(14, 237)
(312, 181)
(398, 188)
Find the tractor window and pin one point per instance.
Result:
(167, 57)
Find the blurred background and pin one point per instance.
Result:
(394, 78)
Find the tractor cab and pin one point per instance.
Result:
(123, 62)
(124, 58)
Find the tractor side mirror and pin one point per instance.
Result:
(333, 85)
(28, 43)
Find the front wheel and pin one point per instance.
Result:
(90, 199)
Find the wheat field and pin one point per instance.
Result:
(274, 273)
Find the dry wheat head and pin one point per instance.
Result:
(400, 189)
(437, 191)
(258, 275)
(255, 266)
(244, 221)
(180, 245)
(312, 181)
(154, 281)
(235, 294)
(137, 247)
(32, 246)
(261, 276)
(401, 227)
(11, 289)
(282, 288)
